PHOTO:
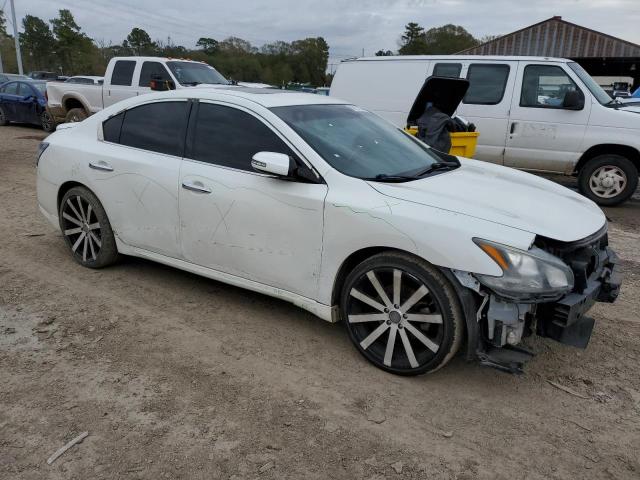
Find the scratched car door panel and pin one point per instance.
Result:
(242, 222)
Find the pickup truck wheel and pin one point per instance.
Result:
(86, 229)
(47, 122)
(75, 115)
(3, 118)
(402, 314)
(608, 179)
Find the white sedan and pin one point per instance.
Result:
(326, 205)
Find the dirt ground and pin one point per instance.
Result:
(176, 376)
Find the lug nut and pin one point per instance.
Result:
(400, 325)
(386, 310)
(405, 316)
(396, 307)
(388, 322)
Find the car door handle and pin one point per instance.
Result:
(513, 128)
(196, 187)
(104, 166)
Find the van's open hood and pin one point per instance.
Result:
(506, 196)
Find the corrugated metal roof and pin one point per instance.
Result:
(557, 38)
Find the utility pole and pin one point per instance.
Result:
(15, 37)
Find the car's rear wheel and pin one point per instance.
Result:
(47, 122)
(86, 229)
(3, 118)
(75, 115)
(608, 179)
(402, 314)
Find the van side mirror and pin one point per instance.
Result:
(158, 84)
(573, 100)
(274, 163)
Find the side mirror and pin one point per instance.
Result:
(573, 100)
(274, 163)
(28, 98)
(158, 84)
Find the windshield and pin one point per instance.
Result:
(597, 91)
(192, 73)
(357, 142)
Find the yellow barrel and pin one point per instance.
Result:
(463, 144)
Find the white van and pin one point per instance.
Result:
(533, 113)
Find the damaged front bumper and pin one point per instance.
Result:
(502, 323)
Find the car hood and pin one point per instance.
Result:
(505, 196)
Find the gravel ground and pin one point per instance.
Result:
(177, 376)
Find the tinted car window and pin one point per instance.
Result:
(123, 72)
(11, 89)
(159, 127)
(152, 68)
(544, 86)
(111, 128)
(230, 137)
(486, 83)
(447, 70)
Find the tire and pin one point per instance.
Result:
(410, 332)
(90, 240)
(75, 115)
(608, 179)
(3, 118)
(47, 122)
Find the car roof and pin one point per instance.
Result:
(460, 58)
(267, 97)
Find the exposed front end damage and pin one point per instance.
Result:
(501, 323)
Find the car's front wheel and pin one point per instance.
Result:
(86, 229)
(47, 122)
(402, 314)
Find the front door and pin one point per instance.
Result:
(242, 222)
(135, 174)
(487, 104)
(543, 134)
(9, 97)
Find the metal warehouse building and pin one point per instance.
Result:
(600, 54)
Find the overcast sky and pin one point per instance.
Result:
(347, 25)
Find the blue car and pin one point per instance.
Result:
(25, 102)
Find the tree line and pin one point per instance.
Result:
(444, 40)
(61, 46)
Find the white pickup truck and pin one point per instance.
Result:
(126, 77)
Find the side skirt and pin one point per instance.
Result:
(318, 309)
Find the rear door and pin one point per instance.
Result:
(487, 104)
(543, 135)
(135, 173)
(243, 222)
(119, 83)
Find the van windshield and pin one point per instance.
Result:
(362, 145)
(193, 73)
(595, 89)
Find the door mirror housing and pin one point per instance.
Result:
(274, 163)
(573, 100)
(158, 84)
(29, 97)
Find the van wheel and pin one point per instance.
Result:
(75, 115)
(402, 314)
(608, 179)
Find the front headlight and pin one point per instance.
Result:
(531, 274)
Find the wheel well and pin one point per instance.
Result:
(70, 103)
(64, 188)
(350, 263)
(611, 148)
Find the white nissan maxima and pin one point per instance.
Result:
(326, 205)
